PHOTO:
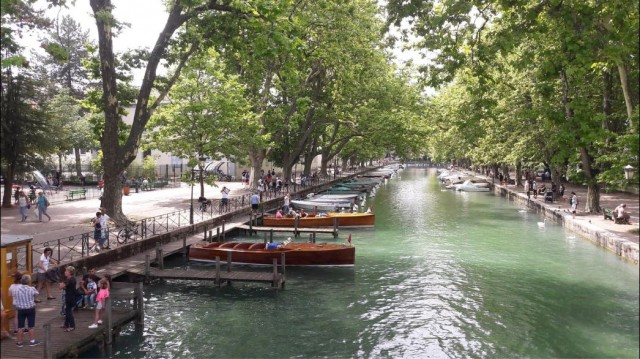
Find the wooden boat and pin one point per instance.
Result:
(321, 206)
(296, 254)
(344, 220)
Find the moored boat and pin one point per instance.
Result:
(321, 206)
(296, 254)
(343, 220)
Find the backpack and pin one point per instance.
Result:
(46, 202)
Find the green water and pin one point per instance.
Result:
(443, 275)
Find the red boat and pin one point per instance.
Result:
(296, 254)
(344, 220)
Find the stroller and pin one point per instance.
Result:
(548, 196)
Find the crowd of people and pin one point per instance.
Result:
(91, 293)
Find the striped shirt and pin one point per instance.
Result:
(23, 296)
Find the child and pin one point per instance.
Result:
(103, 294)
(90, 290)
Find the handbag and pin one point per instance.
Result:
(28, 205)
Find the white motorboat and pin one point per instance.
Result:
(321, 206)
(468, 186)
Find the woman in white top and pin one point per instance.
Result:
(42, 268)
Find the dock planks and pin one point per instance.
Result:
(262, 277)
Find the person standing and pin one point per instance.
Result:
(255, 202)
(69, 286)
(24, 301)
(23, 202)
(527, 189)
(285, 206)
(104, 228)
(97, 230)
(224, 203)
(101, 298)
(42, 268)
(43, 204)
(574, 204)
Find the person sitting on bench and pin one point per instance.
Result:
(621, 215)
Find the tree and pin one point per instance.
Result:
(119, 154)
(206, 114)
(24, 130)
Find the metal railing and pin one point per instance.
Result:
(68, 248)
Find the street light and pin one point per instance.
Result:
(201, 161)
(628, 172)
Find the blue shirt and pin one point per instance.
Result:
(42, 201)
(255, 199)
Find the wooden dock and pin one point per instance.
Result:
(58, 343)
(296, 231)
(218, 277)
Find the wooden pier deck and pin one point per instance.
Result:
(57, 342)
(218, 277)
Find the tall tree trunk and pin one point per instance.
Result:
(76, 151)
(518, 173)
(628, 99)
(7, 197)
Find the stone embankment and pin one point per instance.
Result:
(619, 239)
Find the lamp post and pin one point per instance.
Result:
(201, 161)
(628, 172)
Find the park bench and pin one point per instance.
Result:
(77, 194)
(160, 184)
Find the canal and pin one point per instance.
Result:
(443, 275)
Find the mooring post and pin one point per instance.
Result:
(223, 232)
(159, 256)
(147, 265)
(139, 305)
(335, 226)
(282, 263)
(271, 235)
(275, 272)
(108, 322)
(48, 353)
(218, 234)
(184, 246)
(218, 271)
(311, 237)
(229, 261)
(296, 222)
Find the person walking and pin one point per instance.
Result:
(42, 268)
(24, 204)
(69, 286)
(574, 204)
(224, 203)
(24, 301)
(43, 204)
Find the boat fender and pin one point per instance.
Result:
(272, 246)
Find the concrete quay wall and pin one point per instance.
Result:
(611, 241)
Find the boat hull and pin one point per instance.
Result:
(344, 220)
(296, 254)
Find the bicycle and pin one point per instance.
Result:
(128, 232)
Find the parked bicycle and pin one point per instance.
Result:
(128, 233)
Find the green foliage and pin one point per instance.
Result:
(149, 167)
